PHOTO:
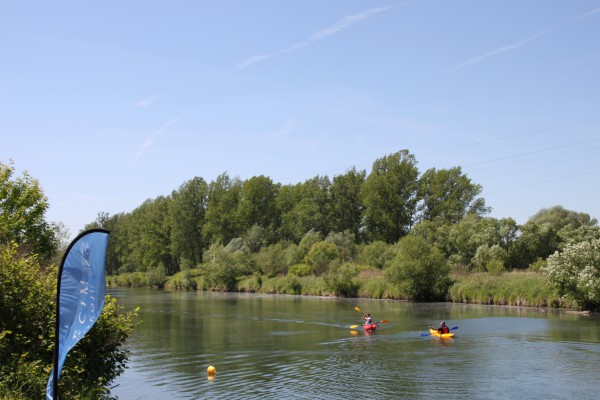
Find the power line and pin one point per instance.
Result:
(556, 127)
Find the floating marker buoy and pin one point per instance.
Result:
(211, 370)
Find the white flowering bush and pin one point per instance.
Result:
(575, 272)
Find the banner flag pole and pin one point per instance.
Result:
(81, 288)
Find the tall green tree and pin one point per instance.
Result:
(222, 216)
(508, 236)
(308, 208)
(448, 195)
(559, 217)
(187, 216)
(390, 197)
(23, 207)
(287, 198)
(116, 242)
(124, 242)
(151, 238)
(258, 204)
(544, 232)
(346, 202)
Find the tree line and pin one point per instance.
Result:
(323, 222)
(175, 231)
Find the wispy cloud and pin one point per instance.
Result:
(152, 138)
(343, 23)
(147, 102)
(500, 50)
(588, 14)
(254, 60)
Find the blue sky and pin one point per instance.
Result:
(111, 103)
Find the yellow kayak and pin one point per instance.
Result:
(434, 332)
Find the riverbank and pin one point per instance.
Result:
(519, 288)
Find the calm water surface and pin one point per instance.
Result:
(289, 347)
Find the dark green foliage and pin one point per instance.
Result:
(447, 195)
(340, 280)
(222, 216)
(272, 260)
(26, 324)
(257, 237)
(390, 197)
(187, 216)
(157, 277)
(184, 280)
(558, 217)
(550, 229)
(376, 254)
(346, 202)
(345, 243)
(27, 310)
(258, 206)
(305, 207)
(308, 240)
(419, 270)
(221, 276)
(321, 254)
(222, 268)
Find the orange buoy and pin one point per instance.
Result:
(211, 370)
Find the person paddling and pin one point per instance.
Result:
(368, 319)
(442, 329)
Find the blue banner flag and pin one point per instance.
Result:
(80, 296)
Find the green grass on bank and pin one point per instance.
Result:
(519, 288)
(529, 289)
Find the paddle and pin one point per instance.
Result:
(385, 321)
(427, 334)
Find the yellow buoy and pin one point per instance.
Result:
(211, 370)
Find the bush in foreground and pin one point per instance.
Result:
(27, 314)
(575, 272)
(419, 270)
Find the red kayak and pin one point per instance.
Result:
(370, 327)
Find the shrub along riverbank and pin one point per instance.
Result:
(519, 288)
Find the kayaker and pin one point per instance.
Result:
(368, 319)
(442, 329)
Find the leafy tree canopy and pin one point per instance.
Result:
(23, 206)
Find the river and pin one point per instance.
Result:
(292, 347)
